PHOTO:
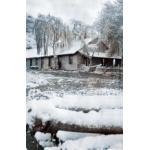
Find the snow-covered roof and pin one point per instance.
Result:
(76, 45)
(32, 53)
(92, 46)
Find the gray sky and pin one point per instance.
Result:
(84, 10)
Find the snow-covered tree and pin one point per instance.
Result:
(110, 25)
(39, 30)
(51, 32)
(79, 29)
(29, 23)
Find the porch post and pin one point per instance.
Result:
(114, 62)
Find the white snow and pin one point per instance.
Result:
(60, 108)
(46, 111)
(35, 79)
(52, 148)
(81, 141)
(87, 102)
(66, 135)
(30, 40)
(76, 45)
(44, 139)
(97, 142)
(41, 86)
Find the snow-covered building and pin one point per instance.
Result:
(71, 58)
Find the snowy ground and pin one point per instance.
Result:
(42, 85)
(82, 141)
(81, 95)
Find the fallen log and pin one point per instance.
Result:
(45, 117)
(52, 127)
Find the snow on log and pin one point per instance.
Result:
(87, 103)
(50, 118)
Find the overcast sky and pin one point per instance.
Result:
(84, 10)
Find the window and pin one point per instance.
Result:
(70, 59)
(30, 62)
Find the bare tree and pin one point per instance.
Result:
(40, 33)
(54, 30)
(50, 30)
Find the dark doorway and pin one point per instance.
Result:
(118, 62)
(108, 62)
(59, 63)
(49, 62)
(30, 62)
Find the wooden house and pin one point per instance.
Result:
(72, 58)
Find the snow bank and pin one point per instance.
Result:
(38, 94)
(46, 111)
(101, 142)
(98, 142)
(66, 135)
(44, 139)
(84, 68)
(87, 102)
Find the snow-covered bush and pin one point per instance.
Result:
(84, 68)
(44, 139)
(99, 69)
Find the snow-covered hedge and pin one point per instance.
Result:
(84, 68)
